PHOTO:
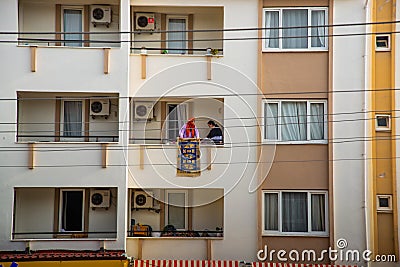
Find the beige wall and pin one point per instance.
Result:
(309, 172)
(298, 243)
(294, 72)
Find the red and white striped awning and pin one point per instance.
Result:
(221, 263)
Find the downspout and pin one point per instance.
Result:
(365, 174)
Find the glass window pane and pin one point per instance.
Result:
(295, 37)
(177, 40)
(271, 35)
(176, 210)
(271, 212)
(72, 211)
(271, 121)
(294, 212)
(294, 121)
(72, 22)
(318, 212)
(318, 33)
(317, 121)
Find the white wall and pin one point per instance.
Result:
(348, 175)
(59, 70)
(232, 74)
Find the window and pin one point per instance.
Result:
(295, 121)
(293, 212)
(176, 213)
(382, 42)
(382, 122)
(384, 202)
(71, 210)
(72, 118)
(177, 35)
(177, 116)
(72, 18)
(295, 28)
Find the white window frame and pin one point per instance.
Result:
(309, 140)
(382, 128)
(186, 192)
(280, 49)
(384, 209)
(377, 48)
(63, 138)
(309, 232)
(60, 213)
(186, 18)
(81, 8)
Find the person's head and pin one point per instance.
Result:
(211, 124)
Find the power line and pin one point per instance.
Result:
(57, 97)
(45, 40)
(212, 30)
(205, 164)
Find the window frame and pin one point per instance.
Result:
(186, 193)
(186, 18)
(279, 140)
(309, 48)
(80, 8)
(279, 232)
(61, 210)
(167, 104)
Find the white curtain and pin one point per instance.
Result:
(318, 212)
(294, 212)
(318, 33)
(294, 121)
(72, 118)
(295, 18)
(72, 23)
(177, 40)
(271, 212)
(271, 35)
(176, 210)
(317, 121)
(271, 121)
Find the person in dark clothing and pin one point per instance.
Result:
(215, 133)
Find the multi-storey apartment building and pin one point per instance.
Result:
(94, 94)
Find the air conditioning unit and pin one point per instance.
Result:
(143, 200)
(100, 198)
(143, 110)
(100, 15)
(99, 107)
(145, 22)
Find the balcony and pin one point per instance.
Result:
(62, 117)
(66, 24)
(177, 30)
(65, 214)
(174, 216)
(158, 121)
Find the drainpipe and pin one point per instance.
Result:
(367, 69)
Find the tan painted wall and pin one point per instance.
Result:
(309, 172)
(299, 243)
(385, 233)
(288, 3)
(295, 72)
